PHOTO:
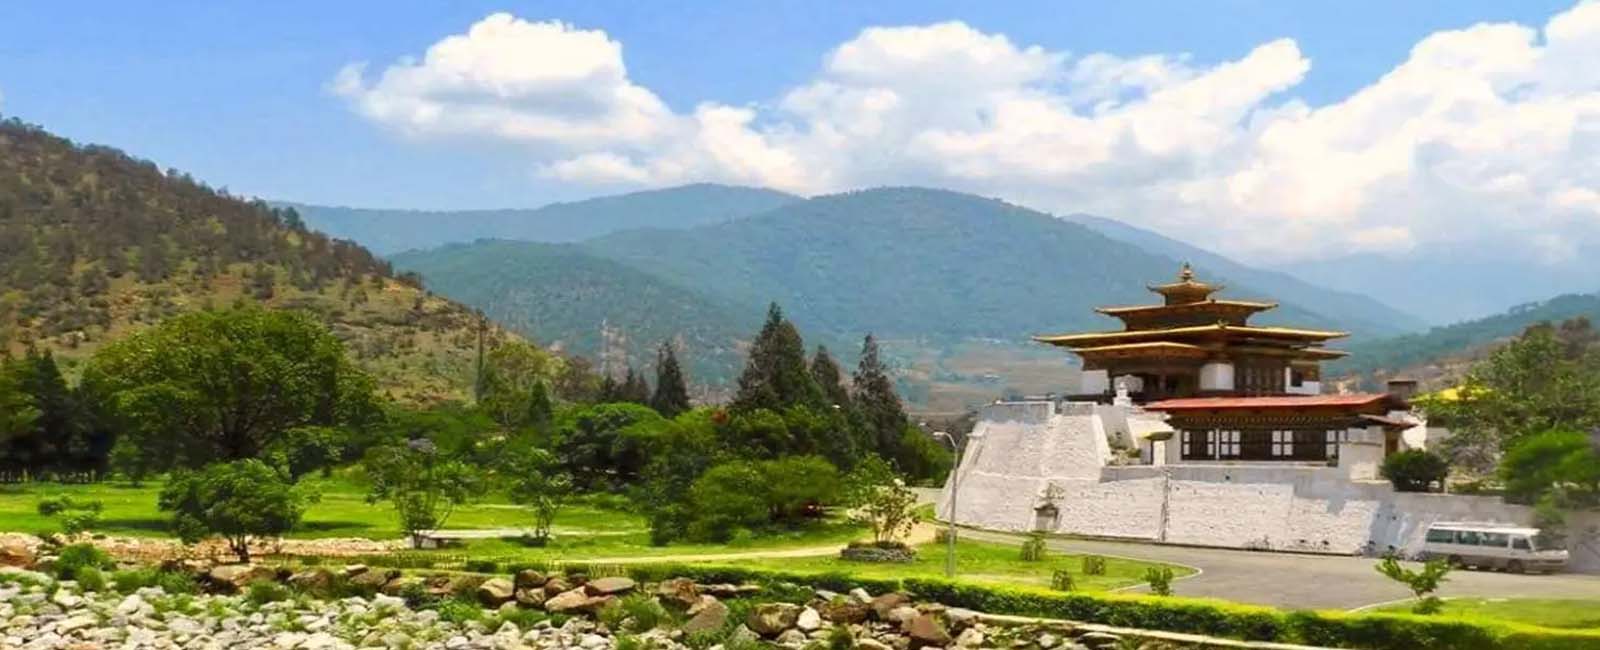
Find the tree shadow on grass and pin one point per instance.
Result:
(348, 528)
(152, 524)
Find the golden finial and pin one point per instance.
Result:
(1185, 274)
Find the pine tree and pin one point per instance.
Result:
(775, 375)
(540, 411)
(56, 428)
(881, 412)
(672, 392)
(609, 391)
(634, 388)
(847, 436)
(830, 378)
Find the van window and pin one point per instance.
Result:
(1467, 537)
(1437, 536)
(1496, 540)
(1521, 544)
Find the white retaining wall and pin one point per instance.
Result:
(1027, 446)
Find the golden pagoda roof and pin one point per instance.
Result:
(1169, 348)
(1187, 289)
(1074, 340)
(1129, 310)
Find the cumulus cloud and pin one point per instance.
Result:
(1491, 131)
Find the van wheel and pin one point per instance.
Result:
(1515, 566)
(1455, 562)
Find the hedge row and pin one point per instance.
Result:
(1186, 615)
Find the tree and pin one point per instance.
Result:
(880, 500)
(424, 486)
(1415, 470)
(540, 409)
(303, 450)
(725, 500)
(514, 373)
(608, 445)
(1421, 583)
(882, 414)
(56, 436)
(224, 385)
(775, 374)
(1549, 378)
(634, 388)
(795, 486)
(922, 457)
(238, 501)
(672, 393)
(830, 379)
(17, 417)
(535, 480)
(1556, 471)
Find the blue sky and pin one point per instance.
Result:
(239, 93)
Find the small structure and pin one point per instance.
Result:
(1194, 426)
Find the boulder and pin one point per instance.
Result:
(679, 593)
(496, 591)
(398, 586)
(612, 586)
(926, 630)
(704, 602)
(232, 578)
(712, 615)
(845, 611)
(439, 586)
(792, 638)
(1099, 640)
(861, 595)
(556, 585)
(730, 591)
(18, 549)
(969, 638)
(902, 615)
(575, 600)
(869, 643)
(369, 580)
(353, 570)
(960, 617)
(883, 604)
(312, 580)
(529, 578)
(530, 597)
(770, 619)
(808, 620)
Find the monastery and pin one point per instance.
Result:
(1193, 426)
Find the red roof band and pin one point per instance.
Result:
(1267, 402)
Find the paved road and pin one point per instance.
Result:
(1310, 581)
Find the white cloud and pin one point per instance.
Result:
(1490, 132)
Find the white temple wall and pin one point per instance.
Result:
(1216, 375)
(1029, 446)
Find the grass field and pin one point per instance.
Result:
(981, 562)
(1556, 613)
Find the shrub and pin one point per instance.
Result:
(1094, 565)
(238, 501)
(1415, 470)
(458, 611)
(480, 566)
(1421, 583)
(172, 582)
(91, 579)
(1033, 548)
(1060, 580)
(1160, 579)
(76, 557)
(262, 592)
(76, 516)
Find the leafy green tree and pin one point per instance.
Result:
(687, 449)
(237, 501)
(17, 417)
(1415, 470)
(540, 409)
(672, 392)
(514, 374)
(775, 374)
(1556, 471)
(727, 499)
(303, 450)
(1549, 378)
(422, 484)
(794, 485)
(224, 385)
(1421, 583)
(880, 500)
(923, 458)
(536, 480)
(882, 414)
(608, 445)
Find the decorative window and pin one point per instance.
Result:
(1228, 445)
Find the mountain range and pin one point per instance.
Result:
(929, 271)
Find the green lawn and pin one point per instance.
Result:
(981, 562)
(1566, 614)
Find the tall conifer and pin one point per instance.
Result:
(672, 392)
(775, 375)
(879, 406)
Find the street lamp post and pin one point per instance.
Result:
(955, 492)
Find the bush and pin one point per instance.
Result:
(172, 582)
(480, 566)
(238, 501)
(1160, 579)
(1415, 470)
(76, 516)
(1094, 565)
(75, 557)
(1060, 580)
(262, 592)
(1033, 549)
(91, 579)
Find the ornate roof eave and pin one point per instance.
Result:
(1069, 340)
(1243, 305)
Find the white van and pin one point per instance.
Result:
(1491, 546)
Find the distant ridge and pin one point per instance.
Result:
(392, 231)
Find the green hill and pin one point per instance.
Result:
(95, 244)
(1362, 315)
(567, 296)
(1439, 355)
(392, 231)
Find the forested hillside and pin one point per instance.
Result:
(1440, 355)
(95, 244)
(572, 297)
(393, 231)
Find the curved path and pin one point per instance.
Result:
(921, 534)
(1308, 581)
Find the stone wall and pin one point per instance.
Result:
(1027, 447)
